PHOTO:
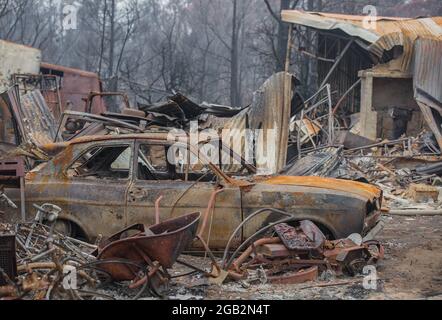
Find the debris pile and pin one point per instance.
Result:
(178, 111)
(132, 264)
(44, 258)
(408, 170)
(397, 166)
(51, 266)
(301, 254)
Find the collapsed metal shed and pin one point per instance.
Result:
(402, 53)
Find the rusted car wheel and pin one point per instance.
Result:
(65, 228)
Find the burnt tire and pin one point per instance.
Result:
(70, 229)
(64, 227)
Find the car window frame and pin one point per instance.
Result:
(151, 167)
(215, 169)
(130, 144)
(166, 144)
(138, 143)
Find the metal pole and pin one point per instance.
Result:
(345, 95)
(331, 118)
(22, 199)
(337, 62)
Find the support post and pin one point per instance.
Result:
(369, 117)
(337, 62)
(22, 199)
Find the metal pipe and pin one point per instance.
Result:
(337, 62)
(22, 199)
(242, 247)
(344, 96)
(210, 207)
(43, 254)
(157, 209)
(415, 212)
(249, 251)
(240, 226)
(380, 144)
(34, 266)
(331, 118)
(82, 243)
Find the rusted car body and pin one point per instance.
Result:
(106, 183)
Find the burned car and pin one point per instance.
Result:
(106, 183)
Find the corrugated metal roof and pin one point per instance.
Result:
(348, 24)
(350, 17)
(388, 32)
(354, 25)
(427, 73)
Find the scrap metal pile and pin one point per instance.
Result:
(301, 254)
(179, 110)
(44, 264)
(42, 258)
(408, 170)
(51, 266)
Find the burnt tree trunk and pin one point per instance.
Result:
(113, 80)
(234, 59)
(102, 40)
(112, 40)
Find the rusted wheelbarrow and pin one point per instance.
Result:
(145, 256)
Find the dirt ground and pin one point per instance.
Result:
(412, 269)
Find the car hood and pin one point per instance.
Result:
(364, 190)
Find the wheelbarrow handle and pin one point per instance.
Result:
(210, 207)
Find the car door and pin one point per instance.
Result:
(155, 177)
(94, 192)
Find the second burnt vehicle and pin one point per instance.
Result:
(106, 183)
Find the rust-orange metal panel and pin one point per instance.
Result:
(75, 87)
